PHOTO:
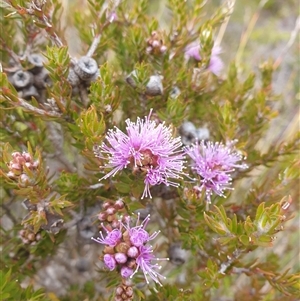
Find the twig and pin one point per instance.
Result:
(97, 36)
(55, 135)
(246, 34)
(225, 265)
(230, 5)
(97, 39)
(11, 53)
(28, 106)
(289, 44)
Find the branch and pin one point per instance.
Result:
(291, 41)
(24, 104)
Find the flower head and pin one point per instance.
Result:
(144, 262)
(147, 149)
(215, 63)
(131, 251)
(214, 163)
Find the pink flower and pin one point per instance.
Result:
(148, 149)
(132, 251)
(144, 263)
(215, 64)
(214, 163)
(112, 238)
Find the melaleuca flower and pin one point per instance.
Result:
(214, 163)
(148, 149)
(131, 250)
(144, 263)
(112, 238)
(215, 63)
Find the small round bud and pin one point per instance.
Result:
(129, 291)
(120, 257)
(119, 290)
(163, 49)
(109, 261)
(119, 204)
(133, 252)
(111, 210)
(102, 216)
(21, 79)
(126, 272)
(106, 205)
(86, 67)
(31, 236)
(154, 86)
(115, 224)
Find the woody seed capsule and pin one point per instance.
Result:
(86, 68)
(154, 86)
(37, 61)
(29, 92)
(21, 79)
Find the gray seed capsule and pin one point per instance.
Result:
(86, 68)
(131, 79)
(37, 61)
(73, 78)
(154, 86)
(21, 79)
(29, 92)
(42, 79)
(177, 255)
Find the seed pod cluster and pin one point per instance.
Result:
(154, 86)
(33, 81)
(189, 133)
(83, 73)
(155, 44)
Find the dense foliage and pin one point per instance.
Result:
(133, 132)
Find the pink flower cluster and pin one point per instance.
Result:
(214, 163)
(151, 152)
(127, 249)
(18, 164)
(147, 149)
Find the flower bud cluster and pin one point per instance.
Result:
(110, 211)
(124, 292)
(127, 249)
(29, 237)
(18, 164)
(83, 73)
(155, 44)
(33, 81)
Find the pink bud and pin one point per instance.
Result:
(126, 272)
(133, 252)
(109, 261)
(120, 257)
